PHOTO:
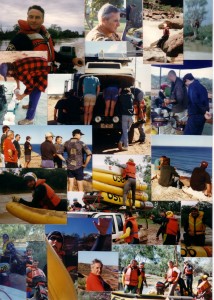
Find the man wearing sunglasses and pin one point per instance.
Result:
(55, 239)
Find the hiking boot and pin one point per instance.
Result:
(25, 122)
(25, 106)
(120, 146)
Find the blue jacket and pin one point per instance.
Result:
(198, 102)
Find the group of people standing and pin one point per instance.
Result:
(11, 151)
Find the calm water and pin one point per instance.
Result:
(185, 159)
(195, 50)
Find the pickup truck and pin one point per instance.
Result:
(118, 221)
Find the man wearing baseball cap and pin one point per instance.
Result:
(56, 240)
(48, 151)
(76, 162)
(200, 179)
(43, 195)
(198, 106)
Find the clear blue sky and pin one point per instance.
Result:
(107, 258)
(181, 140)
(37, 133)
(80, 226)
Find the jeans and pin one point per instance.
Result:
(189, 281)
(129, 185)
(34, 99)
(126, 125)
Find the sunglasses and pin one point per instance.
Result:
(55, 238)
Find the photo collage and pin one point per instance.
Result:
(105, 186)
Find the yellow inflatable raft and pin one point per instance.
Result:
(118, 200)
(36, 215)
(196, 251)
(100, 186)
(115, 180)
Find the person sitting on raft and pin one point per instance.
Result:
(43, 195)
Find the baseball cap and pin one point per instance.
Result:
(3, 70)
(49, 134)
(77, 131)
(204, 164)
(30, 176)
(55, 233)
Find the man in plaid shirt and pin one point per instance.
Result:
(32, 71)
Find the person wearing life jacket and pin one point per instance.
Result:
(195, 227)
(8, 248)
(173, 277)
(188, 272)
(204, 288)
(33, 36)
(129, 173)
(33, 271)
(143, 275)
(130, 229)
(132, 278)
(169, 229)
(43, 195)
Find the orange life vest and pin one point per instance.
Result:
(31, 273)
(196, 225)
(131, 276)
(203, 286)
(134, 230)
(130, 170)
(51, 200)
(172, 226)
(41, 41)
(171, 275)
(188, 271)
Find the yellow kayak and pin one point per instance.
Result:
(115, 180)
(104, 187)
(60, 284)
(36, 215)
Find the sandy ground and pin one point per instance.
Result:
(107, 144)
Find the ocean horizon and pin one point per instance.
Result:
(184, 159)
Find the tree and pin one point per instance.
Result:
(195, 14)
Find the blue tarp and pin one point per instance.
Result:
(188, 64)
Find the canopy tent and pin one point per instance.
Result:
(188, 65)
